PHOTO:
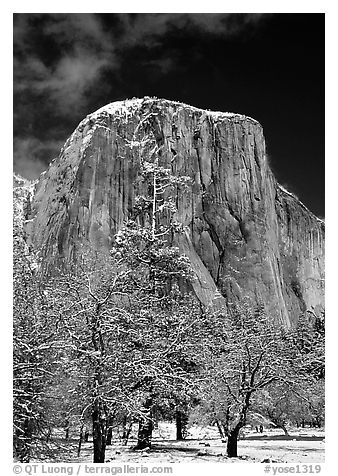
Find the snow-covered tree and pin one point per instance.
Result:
(245, 353)
(130, 316)
(35, 344)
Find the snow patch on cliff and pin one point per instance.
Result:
(121, 108)
(284, 190)
(130, 106)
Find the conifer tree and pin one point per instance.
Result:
(158, 270)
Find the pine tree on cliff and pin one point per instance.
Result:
(157, 267)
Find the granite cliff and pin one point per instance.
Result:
(244, 233)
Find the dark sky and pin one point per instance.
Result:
(267, 66)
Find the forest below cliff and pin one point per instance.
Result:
(111, 345)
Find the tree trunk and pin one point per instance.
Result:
(109, 436)
(232, 444)
(99, 439)
(144, 434)
(145, 427)
(126, 430)
(86, 436)
(280, 425)
(66, 429)
(220, 430)
(181, 417)
(80, 441)
(49, 434)
(179, 435)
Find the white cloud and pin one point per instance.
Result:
(31, 155)
(83, 50)
(149, 28)
(69, 80)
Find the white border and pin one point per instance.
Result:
(287, 6)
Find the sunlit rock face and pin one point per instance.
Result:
(245, 234)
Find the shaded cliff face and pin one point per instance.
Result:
(245, 235)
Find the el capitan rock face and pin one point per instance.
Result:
(245, 234)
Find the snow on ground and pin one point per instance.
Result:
(203, 445)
